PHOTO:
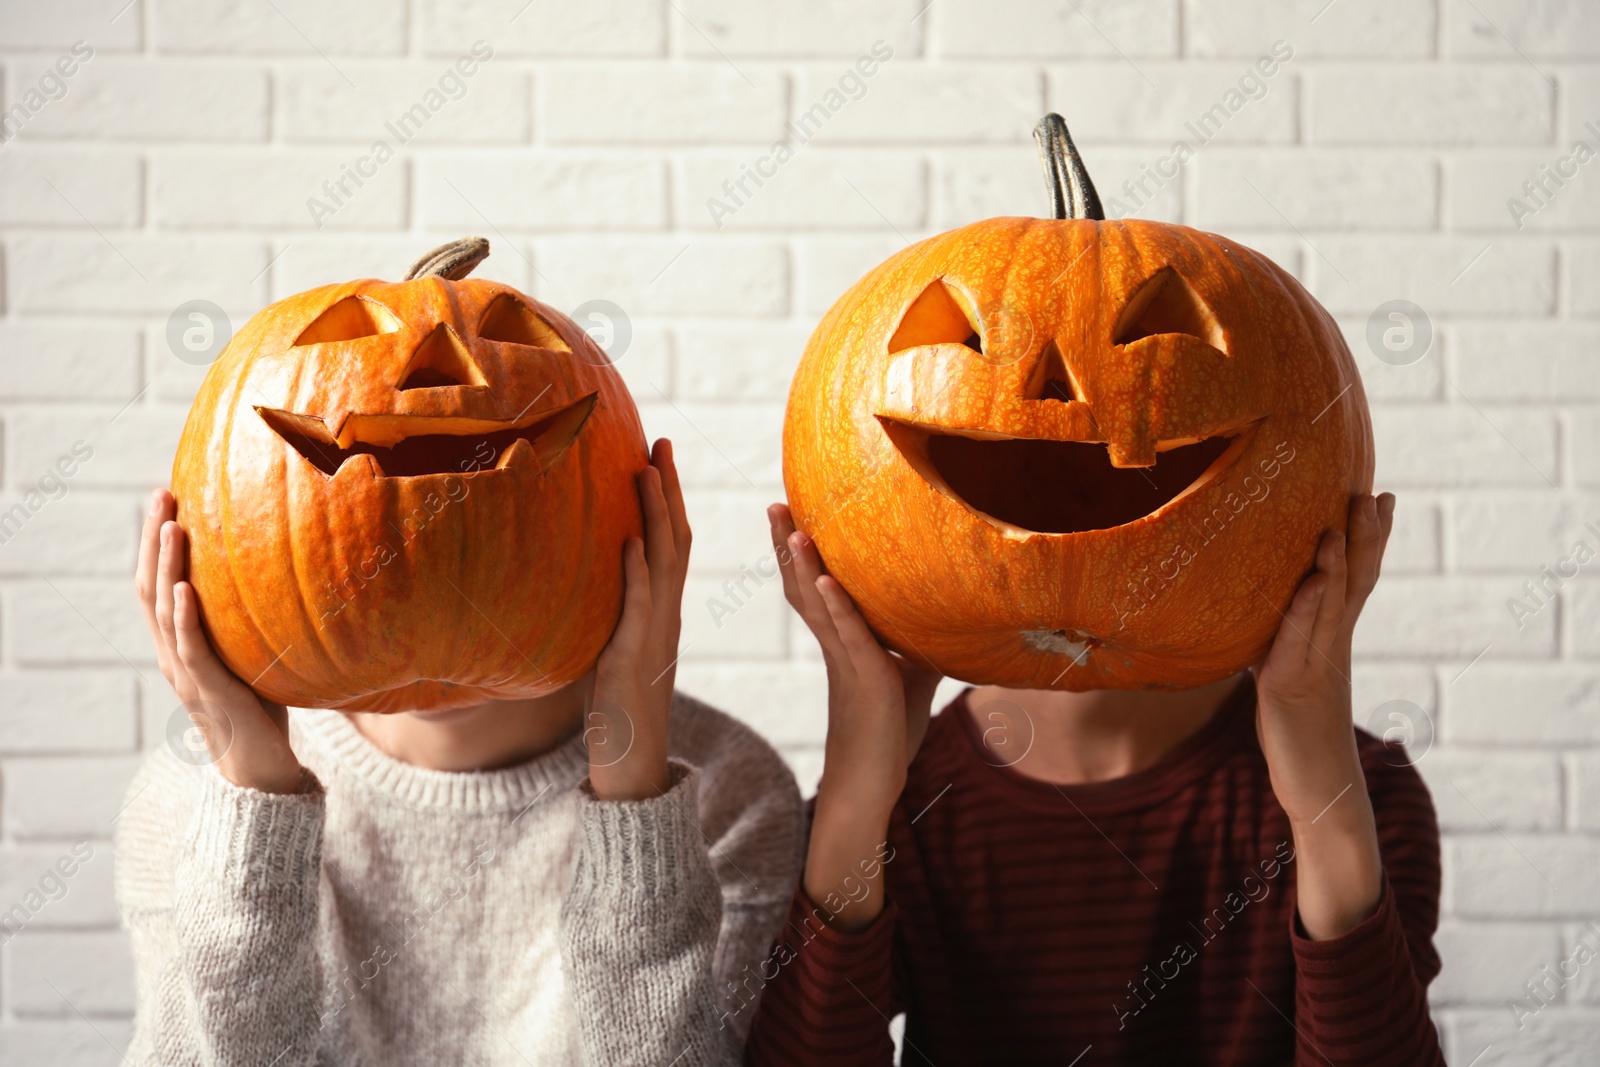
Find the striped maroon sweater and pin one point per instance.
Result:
(1145, 920)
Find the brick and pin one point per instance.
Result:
(1414, 545)
(59, 884)
(1580, 86)
(91, 972)
(1555, 1037)
(1548, 361)
(739, 361)
(133, 451)
(1088, 29)
(599, 28)
(76, 622)
(647, 361)
(1585, 447)
(195, 191)
(65, 1043)
(1584, 769)
(1519, 876)
(1584, 987)
(308, 262)
(1523, 532)
(1315, 191)
(1581, 604)
(1491, 191)
(826, 266)
(979, 183)
(745, 691)
(76, 189)
(1200, 105)
(720, 445)
(295, 27)
(806, 763)
(1562, 29)
(1486, 962)
(68, 361)
(661, 104)
(1513, 704)
(950, 103)
(489, 105)
(730, 531)
(60, 711)
(1582, 260)
(1478, 791)
(1433, 104)
(130, 100)
(1445, 276)
(689, 276)
(1436, 445)
(815, 189)
(40, 27)
(75, 533)
(1449, 618)
(719, 626)
(72, 797)
(555, 191)
(132, 274)
(1357, 29)
(708, 29)
(1374, 683)
(1387, 382)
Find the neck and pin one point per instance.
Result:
(483, 737)
(1095, 736)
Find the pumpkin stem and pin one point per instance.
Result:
(453, 261)
(1072, 194)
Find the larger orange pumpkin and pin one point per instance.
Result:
(409, 495)
(1071, 453)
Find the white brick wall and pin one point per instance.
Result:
(1376, 165)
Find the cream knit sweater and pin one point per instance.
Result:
(395, 915)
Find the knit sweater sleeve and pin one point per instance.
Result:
(217, 886)
(639, 929)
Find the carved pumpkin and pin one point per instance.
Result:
(1071, 453)
(409, 495)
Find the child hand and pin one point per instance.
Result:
(878, 707)
(247, 737)
(626, 727)
(1303, 719)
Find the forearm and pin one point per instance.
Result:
(845, 856)
(1339, 872)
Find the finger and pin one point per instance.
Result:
(634, 624)
(1332, 563)
(144, 572)
(661, 554)
(208, 673)
(169, 571)
(854, 634)
(1364, 548)
(672, 488)
(781, 524)
(812, 608)
(1293, 643)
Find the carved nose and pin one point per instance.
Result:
(441, 360)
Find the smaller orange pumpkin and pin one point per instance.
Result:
(410, 494)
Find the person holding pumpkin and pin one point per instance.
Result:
(572, 876)
(1153, 835)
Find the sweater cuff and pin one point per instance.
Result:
(652, 844)
(1362, 956)
(243, 837)
(838, 951)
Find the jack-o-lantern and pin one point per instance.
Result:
(410, 495)
(1074, 453)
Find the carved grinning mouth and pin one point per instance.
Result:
(1058, 487)
(410, 446)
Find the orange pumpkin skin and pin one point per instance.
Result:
(1184, 594)
(479, 574)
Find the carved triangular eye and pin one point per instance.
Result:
(1167, 303)
(352, 317)
(510, 321)
(439, 361)
(1050, 379)
(940, 316)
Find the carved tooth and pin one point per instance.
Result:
(362, 464)
(519, 452)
